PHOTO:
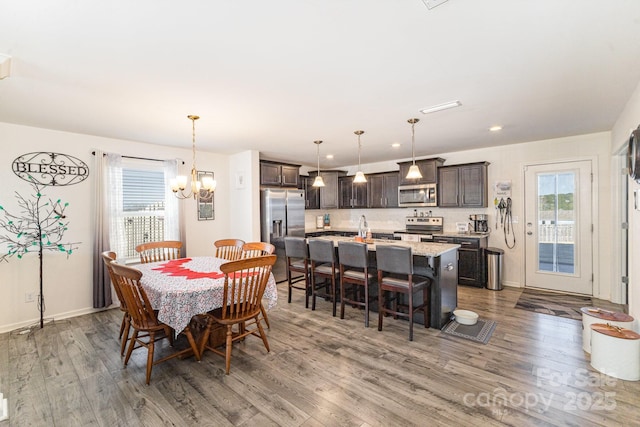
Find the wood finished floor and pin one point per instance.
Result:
(322, 371)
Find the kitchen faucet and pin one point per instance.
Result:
(363, 227)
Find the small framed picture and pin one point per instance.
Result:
(206, 208)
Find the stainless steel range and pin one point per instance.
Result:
(420, 228)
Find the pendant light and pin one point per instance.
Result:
(318, 182)
(414, 171)
(179, 184)
(359, 178)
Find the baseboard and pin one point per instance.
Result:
(36, 322)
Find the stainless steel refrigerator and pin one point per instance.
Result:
(282, 214)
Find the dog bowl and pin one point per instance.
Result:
(466, 317)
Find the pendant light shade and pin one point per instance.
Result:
(359, 178)
(318, 182)
(414, 170)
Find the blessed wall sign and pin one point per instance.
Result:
(48, 168)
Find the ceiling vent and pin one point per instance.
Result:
(433, 3)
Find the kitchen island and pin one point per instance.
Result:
(437, 261)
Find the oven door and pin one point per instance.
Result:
(412, 237)
(417, 195)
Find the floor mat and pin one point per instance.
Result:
(480, 332)
(553, 304)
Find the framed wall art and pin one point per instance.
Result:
(206, 207)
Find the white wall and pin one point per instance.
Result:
(629, 120)
(244, 178)
(507, 164)
(68, 282)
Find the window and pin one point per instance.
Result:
(142, 205)
(142, 212)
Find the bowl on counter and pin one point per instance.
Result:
(465, 317)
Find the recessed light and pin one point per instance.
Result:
(395, 145)
(495, 128)
(441, 107)
(329, 156)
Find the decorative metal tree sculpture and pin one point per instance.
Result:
(39, 228)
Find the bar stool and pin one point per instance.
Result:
(354, 256)
(395, 275)
(323, 264)
(297, 254)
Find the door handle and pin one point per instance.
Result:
(529, 233)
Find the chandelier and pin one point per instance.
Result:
(179, 184)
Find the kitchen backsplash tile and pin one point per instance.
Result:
(393, 219)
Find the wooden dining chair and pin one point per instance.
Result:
(108, 257)
(159, 251)
(354, 271)
(395, 277)
(147, 329)
(229, 249)
(244, 283)
(255, 249)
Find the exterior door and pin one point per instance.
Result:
(558, 227)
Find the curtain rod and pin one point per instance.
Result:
(139, 158)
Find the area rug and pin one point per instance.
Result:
(553, 304)
(480, 332)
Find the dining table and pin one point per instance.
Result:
(182, 288)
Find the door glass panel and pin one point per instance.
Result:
(556, 222)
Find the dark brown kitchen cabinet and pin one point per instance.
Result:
(428, 169)
(352, 194)
(329, 194)
(279, 174)
(471, 263)
(383, 190)
(311, 193)
(463, 186)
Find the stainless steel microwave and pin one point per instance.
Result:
(417, 195)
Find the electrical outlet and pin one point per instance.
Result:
(514, 219)
(29, 297)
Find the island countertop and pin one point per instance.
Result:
(345, 230)
(428, 249)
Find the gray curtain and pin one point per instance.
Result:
(101, 283)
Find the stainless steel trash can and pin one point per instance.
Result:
(494, 268)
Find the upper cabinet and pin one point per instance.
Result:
(463, 186)
(329, 194)
(311, 193)
(383, 190)
(279, 174)
(428, 169)
(352, 194)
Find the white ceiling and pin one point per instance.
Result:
(274, 76)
